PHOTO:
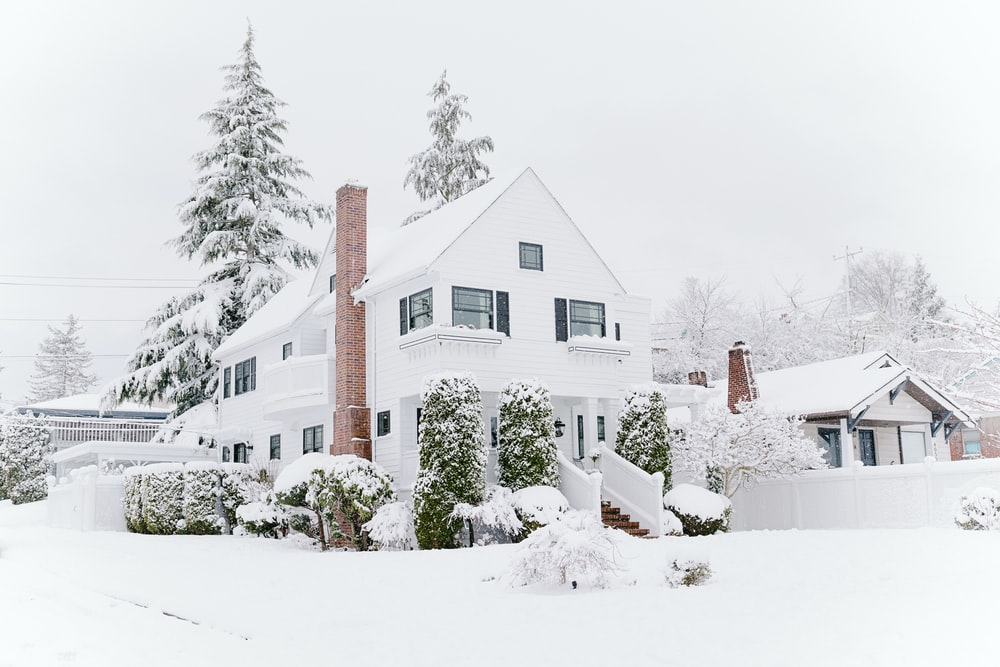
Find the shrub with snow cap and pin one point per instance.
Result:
(237, 487)
(496, 514)
(201, 498)
(526, 441)
(163, 498)
(575, 549)
(539, 506)
(391, 529)
(979, 510)
(265, 517)
(700, 511)
(452, 466)
(688, 572)
(133, 480)
(643, 438)
(24, 459)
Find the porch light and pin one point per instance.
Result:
(559, 427)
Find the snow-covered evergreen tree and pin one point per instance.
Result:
(452, 465)
(233, 223)
(643, 438)
(24, 458)
(740, 449)
(450, 167)
(526, 439)
(61, 364)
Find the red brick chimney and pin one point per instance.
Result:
(742, 384)
(699, 378)
(351, 416)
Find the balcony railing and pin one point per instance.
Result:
(298, 382)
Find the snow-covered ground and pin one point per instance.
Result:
(878, 597)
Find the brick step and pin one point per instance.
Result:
(612, 517)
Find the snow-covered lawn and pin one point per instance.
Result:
(880, 597)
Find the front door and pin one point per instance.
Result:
(830, 443)
(866, 442)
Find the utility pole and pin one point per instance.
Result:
(847, 287)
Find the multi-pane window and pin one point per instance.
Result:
(245, 376)
(530, 256)
(275, 447)
(312, 439)
(286, 351)
(227, 376)
(240, 452)
(225, 455)
(600, 428)
(421, 309)
(586, 318)
(382, 424)
(472, 307)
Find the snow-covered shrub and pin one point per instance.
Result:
(576, 548)
(538, 506)
(643, 438)
(24, 458)
(351, 489)
(201, 497)
(133, 481)
(671, 524)
(700, 511)
(688, 572)
(391, 529)
(292, 488)
(163, 498)
(526, 437)
(452, 466)
(979, 510)
(265, 517)
(239, 485)
(495, 517)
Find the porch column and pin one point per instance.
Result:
(846, 446)
(610, 406)
(590, 424)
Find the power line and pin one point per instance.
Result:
(135, 279)
(5, 357)
(59, 319)
(27, 284)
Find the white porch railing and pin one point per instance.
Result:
(582, 490)
(297, 382)
(637, 492)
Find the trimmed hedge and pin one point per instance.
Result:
(163, 499)
(201, 498)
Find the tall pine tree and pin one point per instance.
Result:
(61, 364)
(233, 223)
(451, 166)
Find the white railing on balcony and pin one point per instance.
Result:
(582, 489)
(297, 382)
(637, 492)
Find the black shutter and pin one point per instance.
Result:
(562, 323)
(618, 331)
(404, 324)
(503, 312)
(253, 373)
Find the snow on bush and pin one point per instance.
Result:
(688, 572)
(391, 528)
(733, 450)
(24, 458)
(266, 517)
(201, 498)
(526, 440)
(979, 510)
(643, 438)
(133, 481)
(576, 549)
(495, 515)
(671, 524)
(700, 511)
(452, 466)
(239, 485)
(539, 506)
(163, 498)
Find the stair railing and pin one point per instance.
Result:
(637, 492)
(582, 489)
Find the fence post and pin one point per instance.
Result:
(929, 462)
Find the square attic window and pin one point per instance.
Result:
(530, 256)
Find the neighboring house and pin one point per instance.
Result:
(868, 408)
(499, 282)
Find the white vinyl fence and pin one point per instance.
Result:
(897, 496)
(87, 500)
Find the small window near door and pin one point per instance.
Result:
(829, 442)
(382, 424)
(240, 452)
(579, 436)
(275, 447)
(494, 438)
(312, 439)
(226, 458)
(600, 428)
(286, 351)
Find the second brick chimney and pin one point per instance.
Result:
(351, 416)
(742, 384)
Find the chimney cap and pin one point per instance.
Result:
(739, 343)
(352, 183)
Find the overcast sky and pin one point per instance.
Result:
(748, 140)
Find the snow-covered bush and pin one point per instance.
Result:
(201, 497)
(452, 466)
(576, 548)
(391, 529)
(643, 438)
(700, 511)
(351, 489)
(163, 498)
(526, 440)
(239, 485)
(24, 458)
(265, 517)
(734, 450)
(495, 516)
(671, 524)
(688, 572)
(538, 506)
(979, 510)
(133, 480)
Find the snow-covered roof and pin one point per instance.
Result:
(411, 249)
(276, 315)
(90, 405)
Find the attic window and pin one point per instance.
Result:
(530, 256)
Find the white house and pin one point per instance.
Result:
(499, 282)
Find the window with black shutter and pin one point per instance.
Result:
(227, 376)
(618, 331)
(416, 311)
(503, 312)
(562, 321)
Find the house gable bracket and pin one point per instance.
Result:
(949, 429)
(893, 393)
(940, 419)
(852, 422)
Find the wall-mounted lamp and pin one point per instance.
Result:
(559, 427)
